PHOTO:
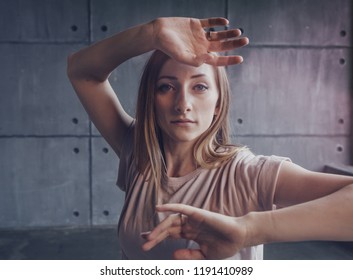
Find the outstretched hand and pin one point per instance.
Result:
(218, 236)
(186, 40)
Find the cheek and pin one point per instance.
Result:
(161, 109)
(211, 109)
(159, 105)
(209, 106)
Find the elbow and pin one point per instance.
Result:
(77, 70)
(70, 67)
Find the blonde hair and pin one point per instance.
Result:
(212, 149)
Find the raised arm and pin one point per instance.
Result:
(89, 69)
(183, 39)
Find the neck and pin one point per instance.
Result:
(179, 158)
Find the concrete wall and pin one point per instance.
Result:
(291, 97)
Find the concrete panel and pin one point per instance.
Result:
(44, 182)
(293, 22)
(292, 91)
(312, 153)
(111, 16)
(43, 21)
(107, 198)
(36, 97)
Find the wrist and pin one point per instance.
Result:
(148, 33)
(257, 225)
(154, 28)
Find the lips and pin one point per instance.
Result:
(182, 121)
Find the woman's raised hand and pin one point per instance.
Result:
(187, 41)
(218, 236)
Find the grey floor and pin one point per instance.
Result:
(102, 244)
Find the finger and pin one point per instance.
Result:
(174, 232)
(189, 231)
(194, 214)
(177, 208)
(225, 60)
(145, 234)
(187, 210)
(153, 242)
(169, 222)
(188, 254)
(221, 46)
(210, 22)
(187, 57)
(223, 35)
(169, 227)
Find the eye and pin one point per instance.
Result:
(165, 88)
(200, 87)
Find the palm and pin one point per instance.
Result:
(185, 40)
(218, 236)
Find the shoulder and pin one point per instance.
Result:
(257, 175)
(246, 158)
(246, 166)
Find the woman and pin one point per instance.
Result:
(177, 150)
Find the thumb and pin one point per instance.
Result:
(188, 254)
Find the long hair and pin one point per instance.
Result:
(213, 148)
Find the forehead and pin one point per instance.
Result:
(173, 68)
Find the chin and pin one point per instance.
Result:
(184, 138)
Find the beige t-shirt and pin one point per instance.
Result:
(246, 183)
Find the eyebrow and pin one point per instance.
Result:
(175, 78)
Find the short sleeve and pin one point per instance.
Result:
(126, 158)
(267, 181)
(256, 177)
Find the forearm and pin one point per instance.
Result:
(326, 218)
(97, 61)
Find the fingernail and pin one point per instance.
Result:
(145, 234)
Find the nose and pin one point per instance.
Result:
(182, 102)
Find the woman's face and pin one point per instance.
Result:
(185, 100)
